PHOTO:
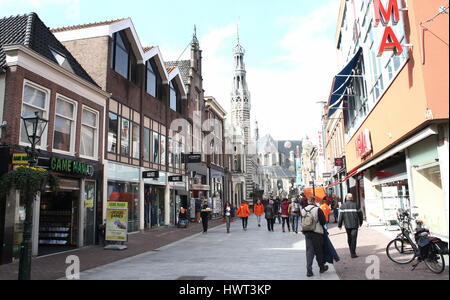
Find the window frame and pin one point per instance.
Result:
(121, 137)
(97, 132)
(73, 137)
(134, 126)
(154, 70)
(46, 113)
(128, 50)
(173, 86)
(117, 133)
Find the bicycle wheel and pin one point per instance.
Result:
(400, 251)
(436, 263)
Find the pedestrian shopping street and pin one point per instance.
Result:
(253, 255)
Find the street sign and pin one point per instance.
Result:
(150, 175)
(192, 158)
(177, 178)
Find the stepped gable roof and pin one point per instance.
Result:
(28, 30)
(184, 66)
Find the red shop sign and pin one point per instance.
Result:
(383, 15)
(363, 144)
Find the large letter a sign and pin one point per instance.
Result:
(384, 16)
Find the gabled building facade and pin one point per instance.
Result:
(146, 97)
(393, 94)
(39, 75)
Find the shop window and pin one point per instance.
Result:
(89, 133)
(127, 192)
(136, 132)
(125, 137)
(113, 131)
(64, 134)
(35, 99)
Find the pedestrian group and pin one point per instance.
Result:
(300, 214)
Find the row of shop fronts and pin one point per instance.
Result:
(70, 218)
(387, 117)
(412, 176)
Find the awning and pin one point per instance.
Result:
(340, 84)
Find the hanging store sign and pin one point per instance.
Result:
(192, 158)
(20, 159)
(363, 144)
(339, 162)
(176, 178)
(71, 167)
(150, 175)
(389, 41)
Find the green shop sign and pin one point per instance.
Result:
(71, 167)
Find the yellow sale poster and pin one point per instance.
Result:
(117, 222)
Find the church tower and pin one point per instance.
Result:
(241, 118)
(240, 98)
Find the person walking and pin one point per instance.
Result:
(335, 208)
(270, 215)
(313, 221)
(285, 214)
(294, 213)
(351, 216)
(228, 214)
(303, 201)
(244, 212)
(259, 211)
(204, 213)
(277, 209)
(326, 209)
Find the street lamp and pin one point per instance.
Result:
(34, 127)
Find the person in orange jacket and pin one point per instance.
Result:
(259, 211)
(244, 212)
(326, 210)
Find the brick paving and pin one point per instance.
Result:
(373, 242)
(53, 267)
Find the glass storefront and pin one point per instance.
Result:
(127, 192)
(154, 206)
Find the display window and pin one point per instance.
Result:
(127, 192)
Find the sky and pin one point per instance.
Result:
(290, 48)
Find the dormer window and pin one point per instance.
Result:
(61, 59)
(175, 103)
(153, 80)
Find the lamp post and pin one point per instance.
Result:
(34, 127)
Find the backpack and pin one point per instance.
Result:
(308, 221)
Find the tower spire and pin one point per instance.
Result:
(194, 37)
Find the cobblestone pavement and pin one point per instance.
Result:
(252, 255)
(54, 266)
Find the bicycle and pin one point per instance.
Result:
(404, 250)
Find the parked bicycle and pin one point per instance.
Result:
(424, 248)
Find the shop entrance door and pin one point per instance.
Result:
(58, 222)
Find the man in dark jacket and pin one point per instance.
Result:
(270, 215)
(351, 216)
(314, 236)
